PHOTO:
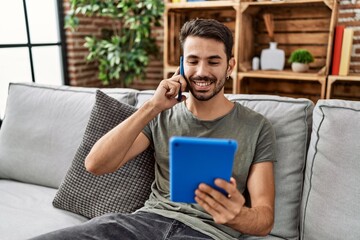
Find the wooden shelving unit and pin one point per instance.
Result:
(298, 24)
(350, 87)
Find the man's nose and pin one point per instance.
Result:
(202, 69)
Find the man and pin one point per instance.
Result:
(208, 63)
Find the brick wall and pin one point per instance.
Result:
(82, 73)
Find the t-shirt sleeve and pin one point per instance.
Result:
(147, 131)
(266, 144)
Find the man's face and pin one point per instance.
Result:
(206, 67)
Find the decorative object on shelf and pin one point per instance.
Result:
(269, 24)
(300, 60)
(336, 58)
(255, 63)
(346, 49)
(269, 0)
(271, 58)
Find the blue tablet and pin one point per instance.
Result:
(198, 160)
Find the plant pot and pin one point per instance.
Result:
(300, 67)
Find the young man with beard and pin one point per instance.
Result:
(208, 63)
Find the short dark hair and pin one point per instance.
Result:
(208, 28)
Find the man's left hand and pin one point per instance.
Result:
(223, 209)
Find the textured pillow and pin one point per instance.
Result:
(122, 191)
(330, 206)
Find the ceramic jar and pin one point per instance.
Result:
(272, 58)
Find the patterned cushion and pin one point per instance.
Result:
(122, 191)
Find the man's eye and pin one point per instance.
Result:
(213, 63)
(192, 62)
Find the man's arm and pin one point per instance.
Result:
(120, 144)
(255, 220)
(126, 140)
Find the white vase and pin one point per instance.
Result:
(299, 67)
(255, 63)
(272, 58)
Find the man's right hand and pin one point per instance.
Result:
(166, 93)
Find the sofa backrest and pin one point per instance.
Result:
(331, 199)
(42, 129)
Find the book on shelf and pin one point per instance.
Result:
(346, 51)
(335, 65)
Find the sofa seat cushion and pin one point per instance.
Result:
(26, 211)
(291, 119)
(330, 207)
(43, 127)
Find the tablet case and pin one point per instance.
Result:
(198, 160)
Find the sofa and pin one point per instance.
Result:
(47, 131)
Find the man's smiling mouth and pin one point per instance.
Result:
(202, 84)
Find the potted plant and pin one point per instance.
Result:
(300, 60)
(123, 53)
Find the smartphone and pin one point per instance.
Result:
(182, 74)
(182, 67)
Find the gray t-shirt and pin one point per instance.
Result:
(256, 143)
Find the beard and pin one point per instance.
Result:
(205, 95)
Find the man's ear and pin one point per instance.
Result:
(231, 66)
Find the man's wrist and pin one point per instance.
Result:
(150, 109)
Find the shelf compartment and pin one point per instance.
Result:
(281, 3)
(283, 83)
(201, 4)
(176, 16)
(343, 87)
(297, 24)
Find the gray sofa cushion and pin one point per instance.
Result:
(125, 190)
(143, 96)
(331, 187)
(26, 211)
(291, 119)
(42, 128)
